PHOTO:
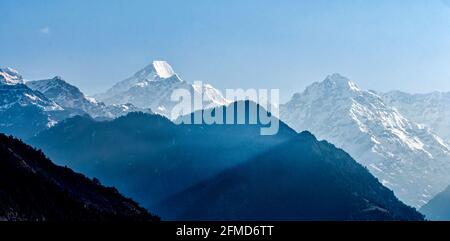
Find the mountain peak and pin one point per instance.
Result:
(158, 69)
(163, 69)
(338, 81)
(58, 78)
(334, 83)
(10, 76)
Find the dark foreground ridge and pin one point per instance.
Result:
(32, 188)
(301, 179)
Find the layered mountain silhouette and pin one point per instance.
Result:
(301, 179)
(147, 156)
(438, 208)
(166, 159)
(32, 188)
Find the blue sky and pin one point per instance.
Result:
(381, 45)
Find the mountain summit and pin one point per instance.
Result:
(152, 87)
(10, 76)
(340, 82)
(23, 111)
(163, 69)
(156, 71)
(407, 157)
(71, 98)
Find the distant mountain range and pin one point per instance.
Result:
(432, 109)
(438, 208)
(32, 188)
(407, 157)
(28, 108)
(125, 137)
(23, 111)
(71, 98)
(152, 87)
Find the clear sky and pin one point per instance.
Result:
(381, 45)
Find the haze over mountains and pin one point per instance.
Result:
(32, 188)
(407, 157)
(166, 159)
(439, 207)
(28, 108)
(300, 179)
(432, 109)
(127, 139)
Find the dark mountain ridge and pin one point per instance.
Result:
(152, 159)
(148, 157)
(301, 179)
(32, 188)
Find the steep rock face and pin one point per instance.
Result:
(32, 188)
(407, 157)
(301, 179)
(152, 88)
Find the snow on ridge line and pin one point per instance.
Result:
(163, 69)
(10, 76)
(407, 157)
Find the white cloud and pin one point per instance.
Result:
(45, 30)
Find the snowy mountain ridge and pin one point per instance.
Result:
(23, 111)
(431, 109)
(152, 86)
(26, 108)
(10, 76)
(163, 69)
(407, 157)
(70, 97)
(13, 91)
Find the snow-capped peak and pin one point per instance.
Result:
(57, 83)
(10, 76)
(408, 158)
(152, 87)
(339, 81)
(69, 96)
(157, 70)
(163, 69)
(334, 83)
